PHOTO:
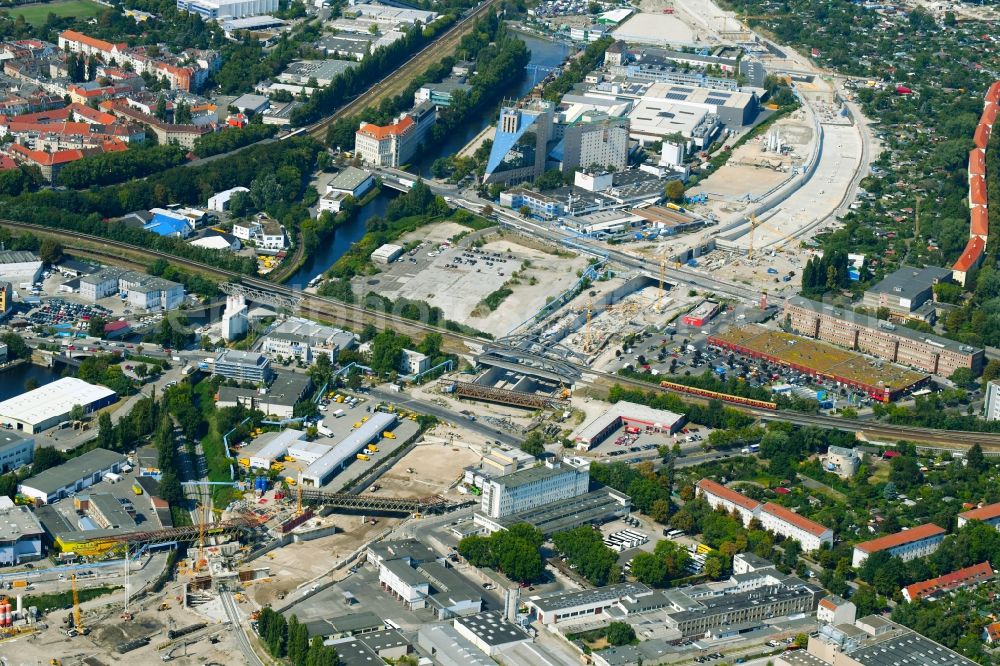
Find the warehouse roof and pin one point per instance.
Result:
(18, 257)
(71, 471)
(450, 647)
(907, 281)
(53, 400)
(10, 438)
(493, 628)
(350, 445)
(349, 178)
(18, 522)
(632, 411)
(918, 533)
(560, 601)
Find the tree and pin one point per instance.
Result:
(46, 457)
(77, 413)
(660, 510)
(963, 377)
(975, 459)
(298, 641)
(50, 251)
(534, 444)
(321, 371)
(161, 108)
(649, 569)
(620, 633)
(16, 346)
(105, 431)
(95, 327)
(675, 190)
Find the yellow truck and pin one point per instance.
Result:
(245, 462)
(136, 488)
(363, 456)
(339, 398)
(373, 448)
(290, 480)
(277, 467)
(364, 419)
(389, 435)
(357, 425)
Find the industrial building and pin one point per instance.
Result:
(72, 476)
(243, 366)
(144, 292)
(989, 514)
(449, 647)
(593, 508)
(717, 495)
(629, 415)
(219, 202)
(320, 471)
(949, 582)
(395, 144)
(561, 606)
(303, 340)
(991, 406)
(51, 404)
(350, 182)
(702, 314)
(16, 450)
(19, 266)
(534, 487)
(271, 446)
(412, 362)
(491, 632)
(909, 544)
(20, 534)
(224, 9)
(419, 578)
(594, 139)
(279, 399)
(908, 293)
(498, 462)
(520, 146)
(386, 253)
(924, 351)
(881, 381)
(728, 612)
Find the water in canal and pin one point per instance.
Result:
(13, 381)
(544, 54)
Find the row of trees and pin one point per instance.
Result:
(649, 489)
(573, 73)
(232, 138)
(290, 639)
(109, 168)
(826, 273)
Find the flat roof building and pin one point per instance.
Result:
(909, 544)
(991, 406)
(533, 487)
(243, 366)
(16, 450)
(72, 476)
(304, 339)
(319, 472)
(491, 632)
(562, 606)
(17, 266)
(51, 404)
(274, 446)
(628, 414)
(907, 293)
(449, 647)
(20, 535)
(871, 641)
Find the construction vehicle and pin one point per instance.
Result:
(389, 435)
(245, 462)
(277, 466)
(164, 606)
(290, 480)
(373, 448)
(362, 456)
(289, 459)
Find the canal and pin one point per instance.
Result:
(544, 54)
(14, 380)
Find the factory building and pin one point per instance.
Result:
(908, 293)
(924, 351)
(533, 487)
(20, 534)
(909, 544)
(629, 415)
(72, 476)
(50, 405)
(418, 578)
(303, 339)
(16, 450)
(143, 292)
(278, 400)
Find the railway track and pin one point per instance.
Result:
(329, 309)
(417, 63)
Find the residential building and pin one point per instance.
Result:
(71, 476)
(595, 140)
(991, 407)
(989, 514)
(785, 522)
(304, 339)
(966, 577)
(350, 182)
(970, 259)
(219, 201)
(51, 404)
(243, 366)
(413, 362)
(836, 610)
(908, 293)
(628, 415)
(842, 461)
(395, 144)
(717, 495)
(899, 344)
(20, 534)
(16, 450)
(19, 266)
(228, 9)
(520, 146)
(533, 487)
(264, 232)
(907, 545)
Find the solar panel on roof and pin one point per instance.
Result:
(684, 90)
(676, 96)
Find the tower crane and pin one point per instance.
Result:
(77, 616)
(754, 223)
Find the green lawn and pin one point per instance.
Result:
(37, 13)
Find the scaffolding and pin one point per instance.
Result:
(504, 396)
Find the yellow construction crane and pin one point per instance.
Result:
(77, 617)
(298, 503)
(754, 223)
(202, 520)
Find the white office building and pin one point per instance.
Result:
(223, 9)
(532, 487)
(992, 406)
(413, 362)
(219, 201)
(304, 339)
(16, 450)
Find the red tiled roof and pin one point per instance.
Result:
(980, 224)
(989, 116)
(977, 162)
(719, 490)
(380, 132)
(795, 519)
(971, 255)
(49, 159)
(993, 94)
(982, 136)
(993, 631)
(826, 603)
(899, 538)
(973, 575)
(982, 513)
(92, 42)
(977, 191)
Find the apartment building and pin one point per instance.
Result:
(966, 577)
(785, 522)
(898, 344)
(989, 514)
(717, 495)
(907, 545)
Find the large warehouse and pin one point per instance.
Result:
(50, 405)
(880, 380)
(320, 471)
(629, 414)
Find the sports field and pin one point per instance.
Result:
(36, 14)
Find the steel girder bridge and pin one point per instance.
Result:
(527, 353)
(375, 503)
(282, 298)
(176, 534)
